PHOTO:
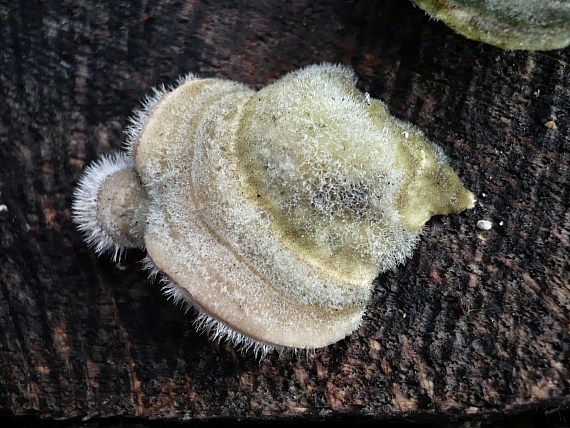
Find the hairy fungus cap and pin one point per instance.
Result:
(272, 212)
(110, 205)
(508, 24)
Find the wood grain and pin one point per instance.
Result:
(476, 324)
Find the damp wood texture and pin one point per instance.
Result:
(474, 323)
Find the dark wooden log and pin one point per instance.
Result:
(476, 324)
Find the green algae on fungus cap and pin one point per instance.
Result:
(508, 24)
(269, 212)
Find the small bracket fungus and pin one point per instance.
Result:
(269, 212)
(507, 24)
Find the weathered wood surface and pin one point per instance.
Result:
(477, 323)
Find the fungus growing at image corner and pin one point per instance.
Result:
(269, 212)
(507, 24)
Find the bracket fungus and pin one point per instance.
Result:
(269, 212)
(507, 24)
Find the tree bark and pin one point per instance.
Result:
(476, 324)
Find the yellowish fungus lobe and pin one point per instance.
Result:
(508, 24)
(269, 212)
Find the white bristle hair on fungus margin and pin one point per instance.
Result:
(86, 204)
(269, 212)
